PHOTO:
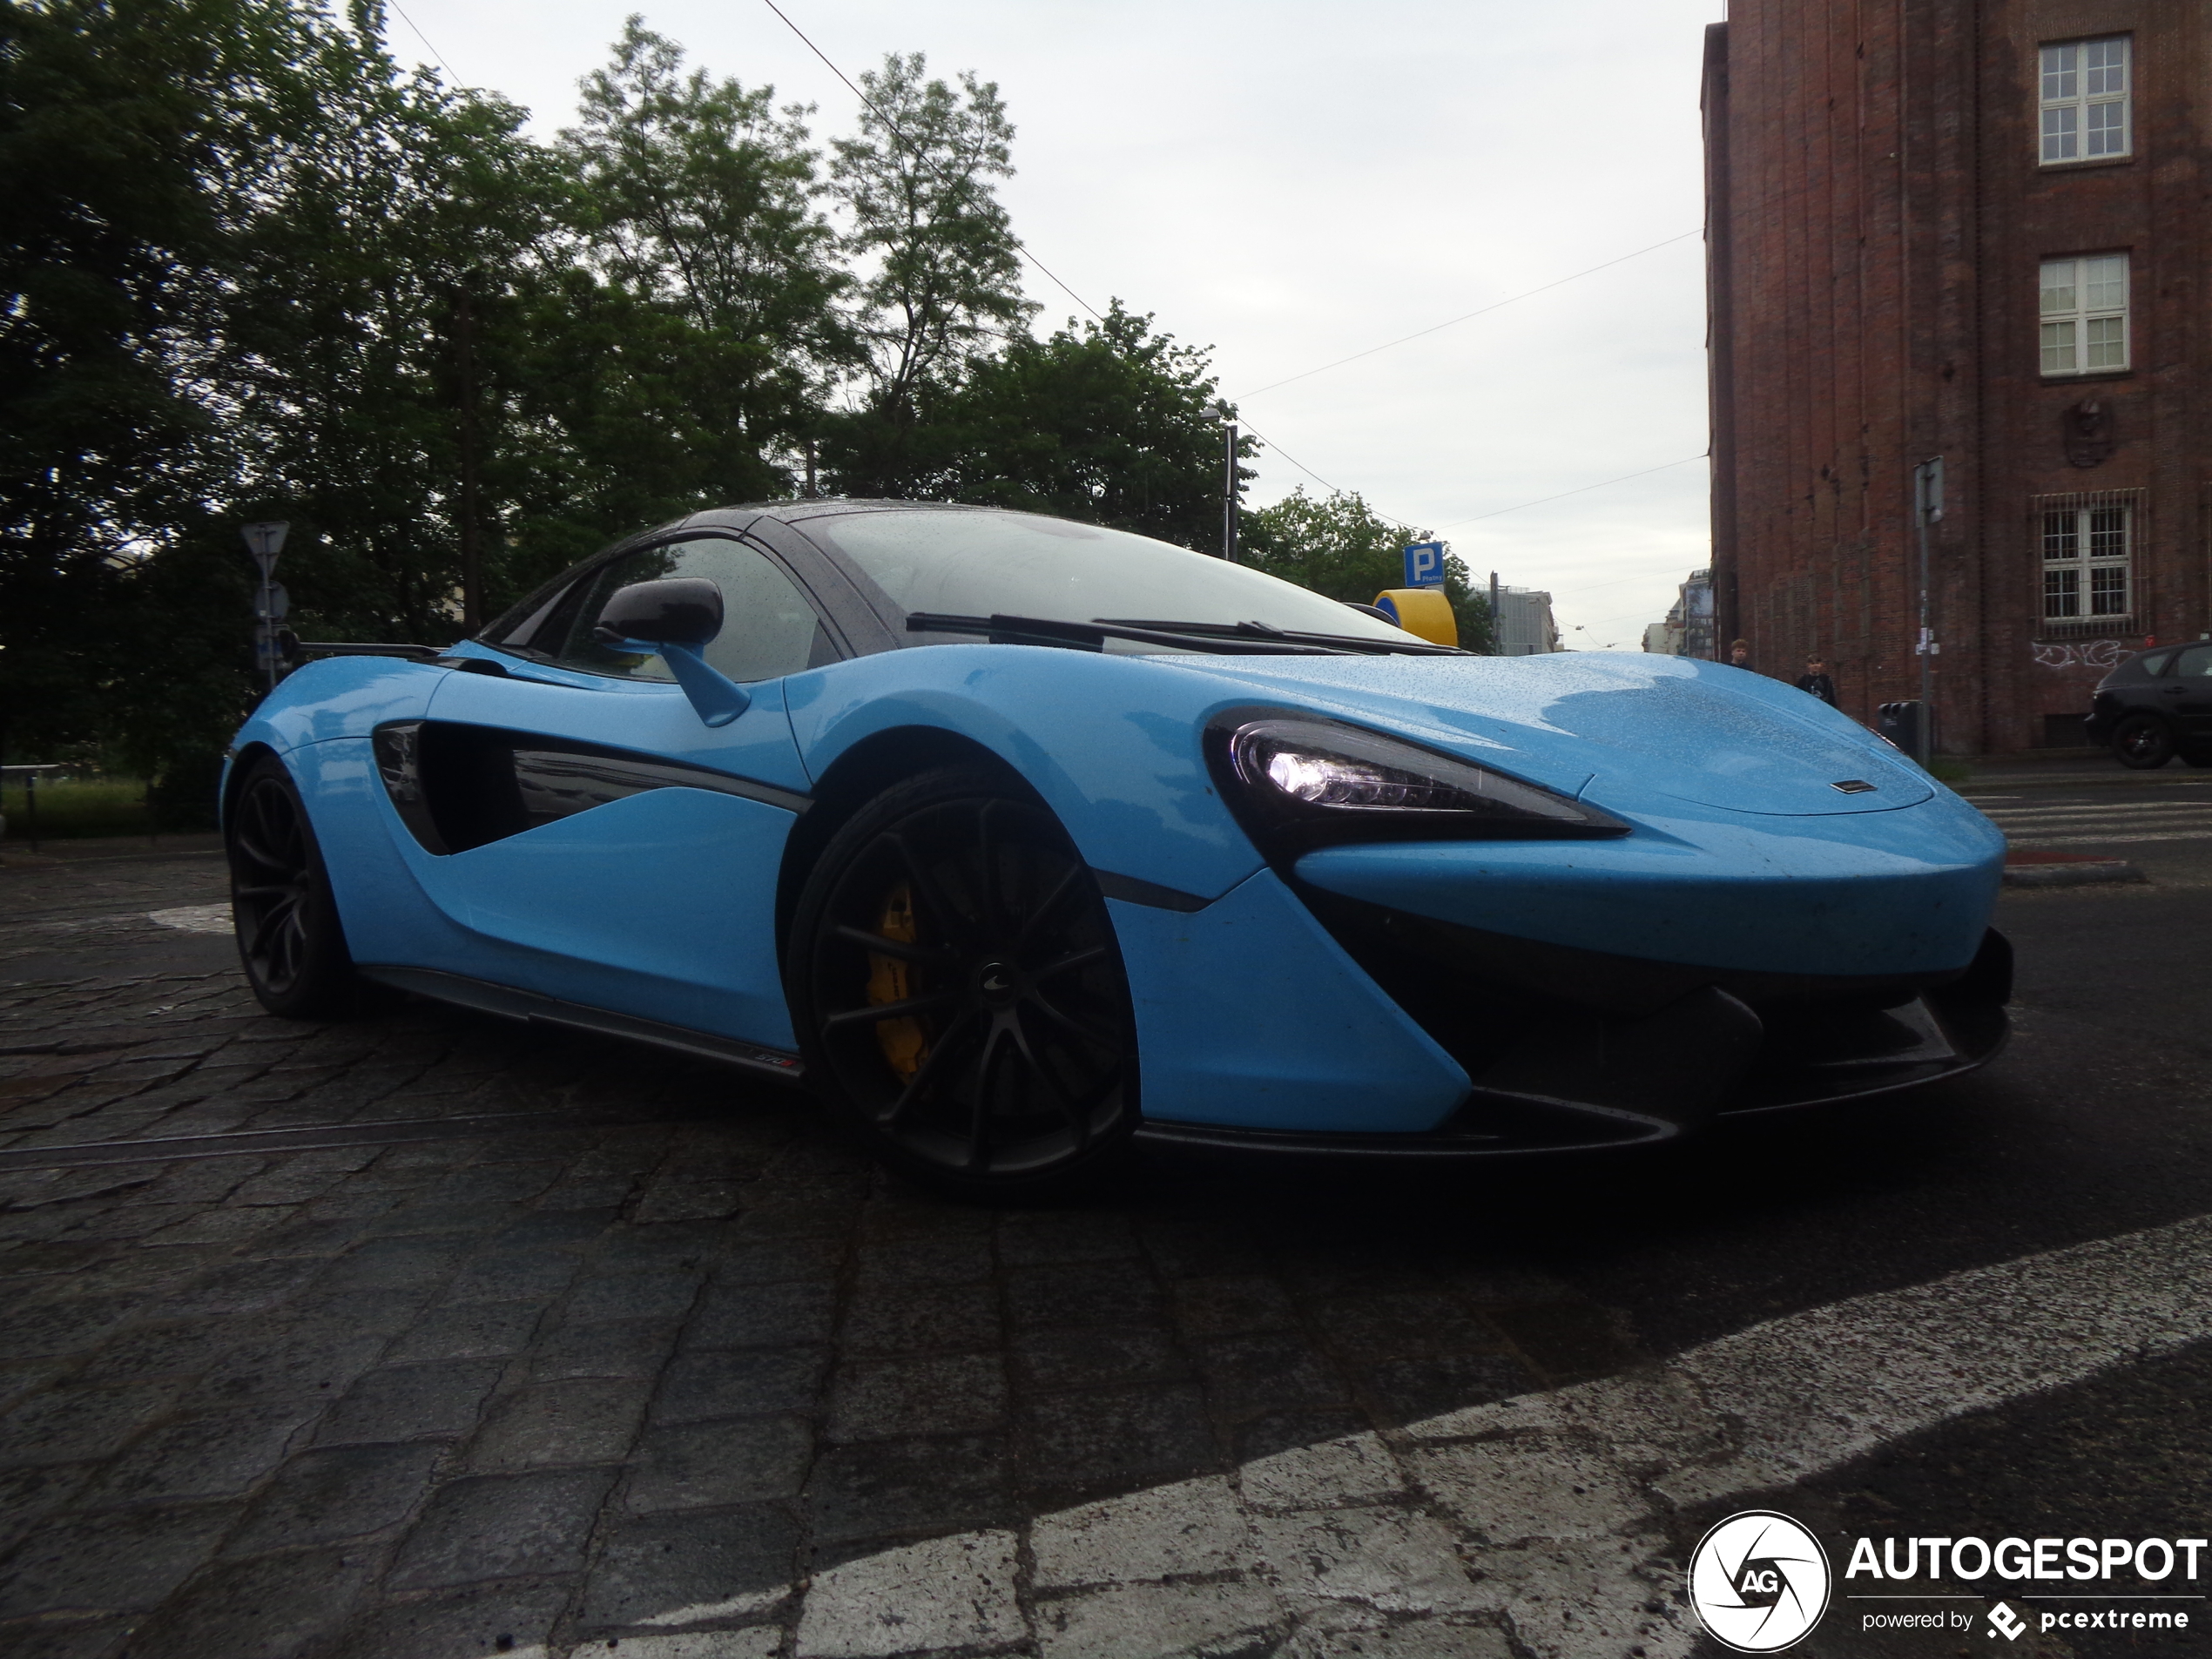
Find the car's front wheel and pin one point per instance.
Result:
(2144, 742)
(289, 938)
(958, 992)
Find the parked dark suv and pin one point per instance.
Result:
(2155, 706)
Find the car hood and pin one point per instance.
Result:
(1602, 722)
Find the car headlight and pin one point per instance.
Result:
(1298, 781)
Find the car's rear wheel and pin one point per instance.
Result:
(2144, 742)
(958, 991)
(289, 938)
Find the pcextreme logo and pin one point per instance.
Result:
(1759, 1581)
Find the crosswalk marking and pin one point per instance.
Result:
(2121, 823)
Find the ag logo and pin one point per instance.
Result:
(1759, 1581)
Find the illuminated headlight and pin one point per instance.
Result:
(1302, 780)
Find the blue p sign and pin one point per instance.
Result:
(1425, 565)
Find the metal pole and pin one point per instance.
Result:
(1927, 502)
(472, 577)
(1229, 496)
(30, 805)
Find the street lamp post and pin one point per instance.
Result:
(1228, 490)
(1927, 508)
(265, 541)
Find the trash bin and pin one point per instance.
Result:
(1900, 723)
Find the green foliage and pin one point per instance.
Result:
(254, 269)
(70, 810)
(1340, 547)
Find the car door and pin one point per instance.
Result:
(2186, 689)
(594, 838)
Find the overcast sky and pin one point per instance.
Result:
(1290, 182)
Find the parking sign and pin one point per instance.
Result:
(1425, 565)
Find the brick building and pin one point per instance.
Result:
(1977, 229)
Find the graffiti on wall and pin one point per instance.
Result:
(2090, 653)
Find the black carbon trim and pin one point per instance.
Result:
(457, 786)
(509, 1003)
(1129, 890)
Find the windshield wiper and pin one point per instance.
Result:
(1410, 646)
(1093, 636)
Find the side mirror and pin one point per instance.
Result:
(678, 610)
(675, 616)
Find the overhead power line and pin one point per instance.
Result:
(893, 128)
(1578, 490)
(425, 39)
(1419, 334)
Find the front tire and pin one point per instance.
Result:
(290, 941)
(2143, 742)
(958, 991)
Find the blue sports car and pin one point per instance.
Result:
(1015, 838)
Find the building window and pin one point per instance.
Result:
(2086, 115)
(2088, 556)
(2085, 314)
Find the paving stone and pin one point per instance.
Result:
(876, 1399)
(1390, 1558)
(313, 1364)
(691, 1201)
(514, 1275)
(411, 1402)
(891, 1486)
(1229, 1620)
(63, 1327)
(245, 1287)
(1083, 1293)
(558, 1425)
(480, 1621)
(394, 1263)
(536, 1232)
(908, 1318)
(427, 1220)
(1412, 1389)
(481, 1330)
(1065, 1235)
(681, 1569)
(1504, 1491)
(309, 1237)
(121, 1561)
(261, 1609)
(1096, 1358)
(1233, 1304)
(209, 1454)
(323, 1496)
(222, 1227)
(1410, 1638)
(1247, 1375)
(1569, 1341)
(28, 1495)
(494, 1184)
(1318, 1474)
(759, 1316)
(71, 1423)
(75, 1639)
(1186, 1528)
(502, 1526)
(955, 1592)
(713, 1465)
(754, 1642)
(1199, 1247)
(932, 1261)
(632, 1296)
(619, 1348)
(784, 1259)
(1115, 1435)
(743, 1382)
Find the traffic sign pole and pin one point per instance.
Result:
(265, 541)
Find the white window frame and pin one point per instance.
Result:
(2088, 97)
(2083, 304)
(2087, 544)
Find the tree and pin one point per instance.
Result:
(697, 196)
(1342, 548)
(940, 282)
(1108, 422)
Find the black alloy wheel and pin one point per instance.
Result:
(2143, 742)
(289, 938)
(958, 990)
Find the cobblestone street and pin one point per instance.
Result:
(428, 1335)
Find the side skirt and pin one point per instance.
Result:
(532, 1008)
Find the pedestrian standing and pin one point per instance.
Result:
(1815, 679)
(1739, 654)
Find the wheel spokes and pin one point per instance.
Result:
(905, 950)
(926, 887)
(1068, 963)
(878, 1011)
(954, 1037)
(1070, 882)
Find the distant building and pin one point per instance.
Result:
(1525, 625)
(1973, 229)
(1688, 630)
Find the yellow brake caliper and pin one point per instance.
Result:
(890, 980)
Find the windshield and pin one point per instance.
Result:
(981, 562)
